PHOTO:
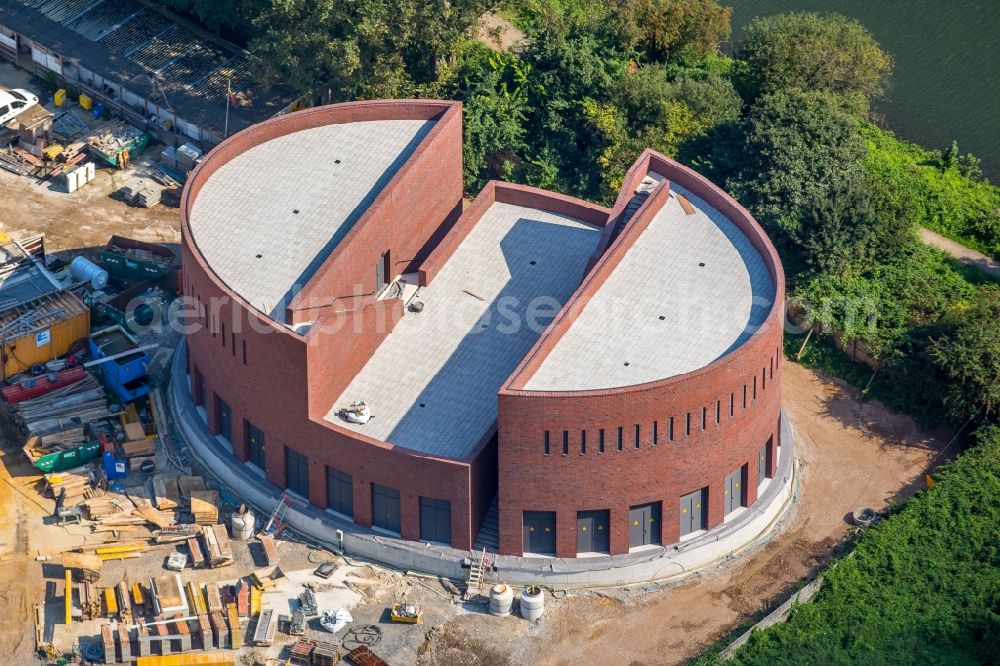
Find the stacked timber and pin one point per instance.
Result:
(205, 506)
(63, 409)
(218, 551)
(165, 492)
(72, 487)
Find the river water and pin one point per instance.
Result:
(946, 81)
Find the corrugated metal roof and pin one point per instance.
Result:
(135, 43)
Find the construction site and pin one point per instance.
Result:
(125, 540)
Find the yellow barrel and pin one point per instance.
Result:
(86, 102)
(60, 97)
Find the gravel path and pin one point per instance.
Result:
(964, 254)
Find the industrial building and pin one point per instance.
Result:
(161, 73)
(543, 375)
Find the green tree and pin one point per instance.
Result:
(968, 353)
(492, 87)
(804, 178)
(361, 49)
(813, 52)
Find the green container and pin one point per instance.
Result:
(61, 461)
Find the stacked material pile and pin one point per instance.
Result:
(71, 487)
(218, 551)
(187, 157)
(64, 408)
(205, 506)
(142, 192)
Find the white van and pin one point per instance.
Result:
(13, 102)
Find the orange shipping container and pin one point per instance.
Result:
(41, 330)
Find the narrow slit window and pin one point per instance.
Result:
(620, 434)
(656, 433)
(636, 435)
(763, 379)
(704, 417)
(583, 442)
(232, 339)
(732, 404)
(223, 334)
(565, 442)
(718, 412)
(670, 428)
(546, 444)
(755, 387)
(600, 440)
(744, 396)
(687, 425)
(244, 352)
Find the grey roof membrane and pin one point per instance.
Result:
(268, 218)
(690, 290)
(432, 385)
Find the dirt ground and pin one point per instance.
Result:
(852, 454)
(84, 219)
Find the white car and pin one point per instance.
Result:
(13, 102)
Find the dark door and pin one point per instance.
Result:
(225, 415)
(540, 532)
(340, 492)
(381, 271)
(693, 512)
(199, 388)
(644, 524)
(733, 491)
(297, 472)
(255, 445)
(435, 520)
(592, 529)
(385, 508)
(762, 462)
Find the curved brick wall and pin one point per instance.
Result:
(286, 383)
(283, 383)
(584, 479)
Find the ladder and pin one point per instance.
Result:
(477, 572)
(276, 522)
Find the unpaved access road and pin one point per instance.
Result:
(852, 453)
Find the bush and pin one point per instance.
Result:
(938, 189)
(922, 587)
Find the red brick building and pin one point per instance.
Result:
(605, 379)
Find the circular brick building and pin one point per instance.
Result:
(544, 376)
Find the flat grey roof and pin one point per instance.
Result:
(432, 385)
(269, 217)
(690, 289)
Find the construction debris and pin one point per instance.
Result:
(64, 408)
(218, 551)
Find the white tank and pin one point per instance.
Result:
(84, 270)
(242, 523)
(501, 599)
(532, 603)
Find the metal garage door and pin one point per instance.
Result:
(592, 528)
(435, 520)
(644, 524)
(733, 491)
(540, 532)
(385, 508)
(693, 511)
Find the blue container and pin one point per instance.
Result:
(97, 110)
(114, 468)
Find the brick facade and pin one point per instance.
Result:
(282, 382)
